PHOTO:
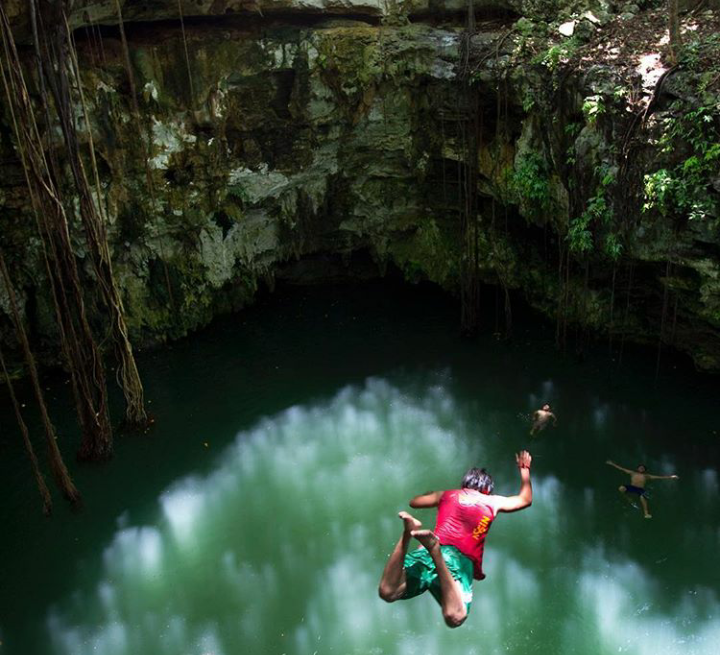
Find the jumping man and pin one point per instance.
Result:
(541, 418)
(451, 556)
(638, 478)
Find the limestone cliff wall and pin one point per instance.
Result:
(273, 140)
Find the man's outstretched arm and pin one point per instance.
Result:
(524, 498)
(662, 477)
(429, 499)
(619, 468)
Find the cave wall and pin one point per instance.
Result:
(282, 145)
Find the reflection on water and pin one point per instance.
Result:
(617, 598)
(280, 548)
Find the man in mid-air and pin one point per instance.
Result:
(541, 418)
(638, 479)
(451, 556)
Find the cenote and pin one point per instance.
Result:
(257, 514)
(271, 270)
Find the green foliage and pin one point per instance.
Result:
(528, 100)
(527, 28)
(571, 130)
(579, 236)
(613, 246)
(696, 53)
(597, 219)
(620, 93)
(686, 188)
(557, 54)
(593, 107)
(236, 191)
(531, 182)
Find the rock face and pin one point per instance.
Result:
(287, 147)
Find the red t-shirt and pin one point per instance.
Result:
(464, 518)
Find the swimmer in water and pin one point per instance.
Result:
(450, 557)
(541, 418)
(638, 478)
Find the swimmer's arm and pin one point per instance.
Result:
(429, 499)
(620, 468)
(662, 477)
(524, 498)
(554, 418)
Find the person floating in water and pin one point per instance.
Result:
(638, 478)
(541, 418)
(451, 555)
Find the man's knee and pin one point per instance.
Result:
(388, 594)
(455, 619)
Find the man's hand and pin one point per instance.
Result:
(523, 459)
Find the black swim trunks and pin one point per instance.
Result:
(632, 489)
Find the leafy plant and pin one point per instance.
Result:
(593, 107)
(557, 54)
(531, 182)
(686, 188)
(571, 130)
(696, 53)
(598, 215)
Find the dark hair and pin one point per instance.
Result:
(641, 466)
(478, 479)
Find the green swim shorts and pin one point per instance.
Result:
(420, 573)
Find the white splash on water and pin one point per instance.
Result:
(279, 550)
(182, 506)
(613, 594)
(134, 551)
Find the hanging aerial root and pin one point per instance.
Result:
(39, 478)
(94, 219)
(57, 465)
(78, 345)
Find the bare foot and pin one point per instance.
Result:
(411, 523)
(427, 538)
(648, 516)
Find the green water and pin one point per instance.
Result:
(257, 516)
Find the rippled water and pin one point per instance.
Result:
(258, 516)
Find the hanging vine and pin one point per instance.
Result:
(627, 312)
(60, 69)
(666, 285)
(37, 474)
(187, 54)
(146, 150)
(77, 342)
(469, 128)
(57, 465)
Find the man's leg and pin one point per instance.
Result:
(646, 509)
(392, 583)
(627, 496)
(452, 605)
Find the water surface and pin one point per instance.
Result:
(258, 514)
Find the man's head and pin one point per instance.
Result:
(546, 407)
(478, 479)
(642, 468)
